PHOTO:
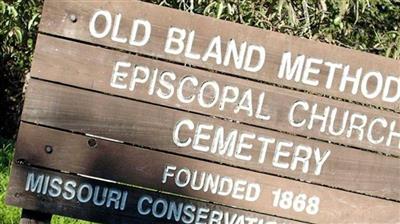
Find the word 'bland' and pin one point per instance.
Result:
(217, 140)
(178, 41)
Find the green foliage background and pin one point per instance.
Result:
(368, 25)
(18, 28)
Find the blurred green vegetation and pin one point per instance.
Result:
(7, 214)
(367, 25)
(18, 27)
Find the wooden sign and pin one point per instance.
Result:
(139, 113)
(144, 206)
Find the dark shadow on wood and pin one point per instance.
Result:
(34, 217)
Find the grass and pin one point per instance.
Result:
(9, 214)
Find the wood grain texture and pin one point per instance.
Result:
(55, 20)
(18, 196)
(92, 67)
(141, 167)
(152, 126)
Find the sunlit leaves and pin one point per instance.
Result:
(18, 29)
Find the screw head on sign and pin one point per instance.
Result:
(22, 162)
(48, 149)
(73, 18)
(92, 143)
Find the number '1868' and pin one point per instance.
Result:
(299, 203)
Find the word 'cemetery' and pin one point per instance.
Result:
(238, 145)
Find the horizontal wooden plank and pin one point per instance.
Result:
(328, 63)
(170, 173)
(153, 126)
(93, 68)
(136, 208)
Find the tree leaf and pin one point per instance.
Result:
(2, 7)
(32, 20)
(221, 7)
(18, 34)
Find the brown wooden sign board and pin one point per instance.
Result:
(323, 68)
(343, 168)
(231, 127)
(60, 61)
(194, 178)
